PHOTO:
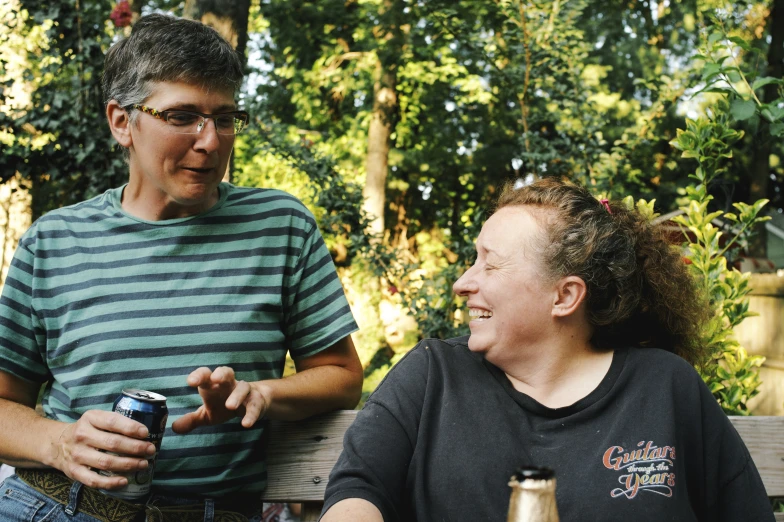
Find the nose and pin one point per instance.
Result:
(208, 139)
(466, 283)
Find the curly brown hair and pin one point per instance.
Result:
(640, 291)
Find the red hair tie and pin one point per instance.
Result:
(606, 203)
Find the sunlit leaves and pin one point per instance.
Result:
(62, 145)
(731, 374)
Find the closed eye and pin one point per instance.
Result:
(182, 118)
(226, 121)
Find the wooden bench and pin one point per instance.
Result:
(301, 454)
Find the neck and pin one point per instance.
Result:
(159, 206)
(558, 374)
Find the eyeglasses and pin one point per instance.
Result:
(191, 122)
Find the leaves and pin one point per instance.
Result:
(743, 109)
(61, 143)
(594, 92)
(767, 80)
(732, 374)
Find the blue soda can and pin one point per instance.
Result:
(150, 409)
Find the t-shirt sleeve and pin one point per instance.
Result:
(379, 445)
(743, 497)
(317, 311)
(735, 490)
(20, 347)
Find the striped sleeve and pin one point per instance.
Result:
(20, 346)
(317, 311)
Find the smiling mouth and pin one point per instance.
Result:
(475, 313)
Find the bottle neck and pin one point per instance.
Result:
(532, 500)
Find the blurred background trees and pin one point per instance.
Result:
(397, 121)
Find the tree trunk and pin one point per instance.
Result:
(228, 17)
(760, 174)
(136, 9)
(384, 106)
(391, 38)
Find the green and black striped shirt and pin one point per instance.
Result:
(97, 300)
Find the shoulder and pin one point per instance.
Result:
(86, 214)
(436, 351)
(652, 360)
(429, 359)
(272, 198)
(87, 209)
(266, 203)
(455, 344)
(678, 383)
(418, 376)
(672, 380)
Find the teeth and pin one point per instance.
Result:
(473, 312)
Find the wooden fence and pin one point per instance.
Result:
(764, 335)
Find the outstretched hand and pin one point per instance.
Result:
(223, 398)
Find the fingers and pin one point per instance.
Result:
(223, 375)
(92, 479)
(102, 441)
(110, 431)
(99, 460)
(114, 423)
(188, 422)
(85, 466)
(255, 407)
(205, 378)
(247, 397)
(199, 377)
(223, 398)
(238, 395)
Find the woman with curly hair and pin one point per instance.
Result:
(584, 330)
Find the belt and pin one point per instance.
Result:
(105, 508)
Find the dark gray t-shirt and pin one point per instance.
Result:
(442, 435)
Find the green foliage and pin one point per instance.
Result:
(731, 374)
(59, 142)
(487, 92)
(724, 73)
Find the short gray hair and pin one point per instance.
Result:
(164, 48)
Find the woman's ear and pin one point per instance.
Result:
(119, 123)
(571, 294)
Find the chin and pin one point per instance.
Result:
(476, 344)
(197, 194)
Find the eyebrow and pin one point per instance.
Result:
(486, 249)
(191, 107)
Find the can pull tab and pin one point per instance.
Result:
(143, 395)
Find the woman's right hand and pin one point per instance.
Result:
(102, 441)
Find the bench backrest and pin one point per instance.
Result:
(301, 454)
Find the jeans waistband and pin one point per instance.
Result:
(77, 497)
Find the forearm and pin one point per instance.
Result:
(310, 392)
(27, 439)
(353, 509)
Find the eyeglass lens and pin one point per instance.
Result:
(190, 123)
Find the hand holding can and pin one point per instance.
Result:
(82, 448)
(149, 409)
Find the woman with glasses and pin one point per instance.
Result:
(176, 283)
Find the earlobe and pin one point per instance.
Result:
(571, 292)
(119, 123)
